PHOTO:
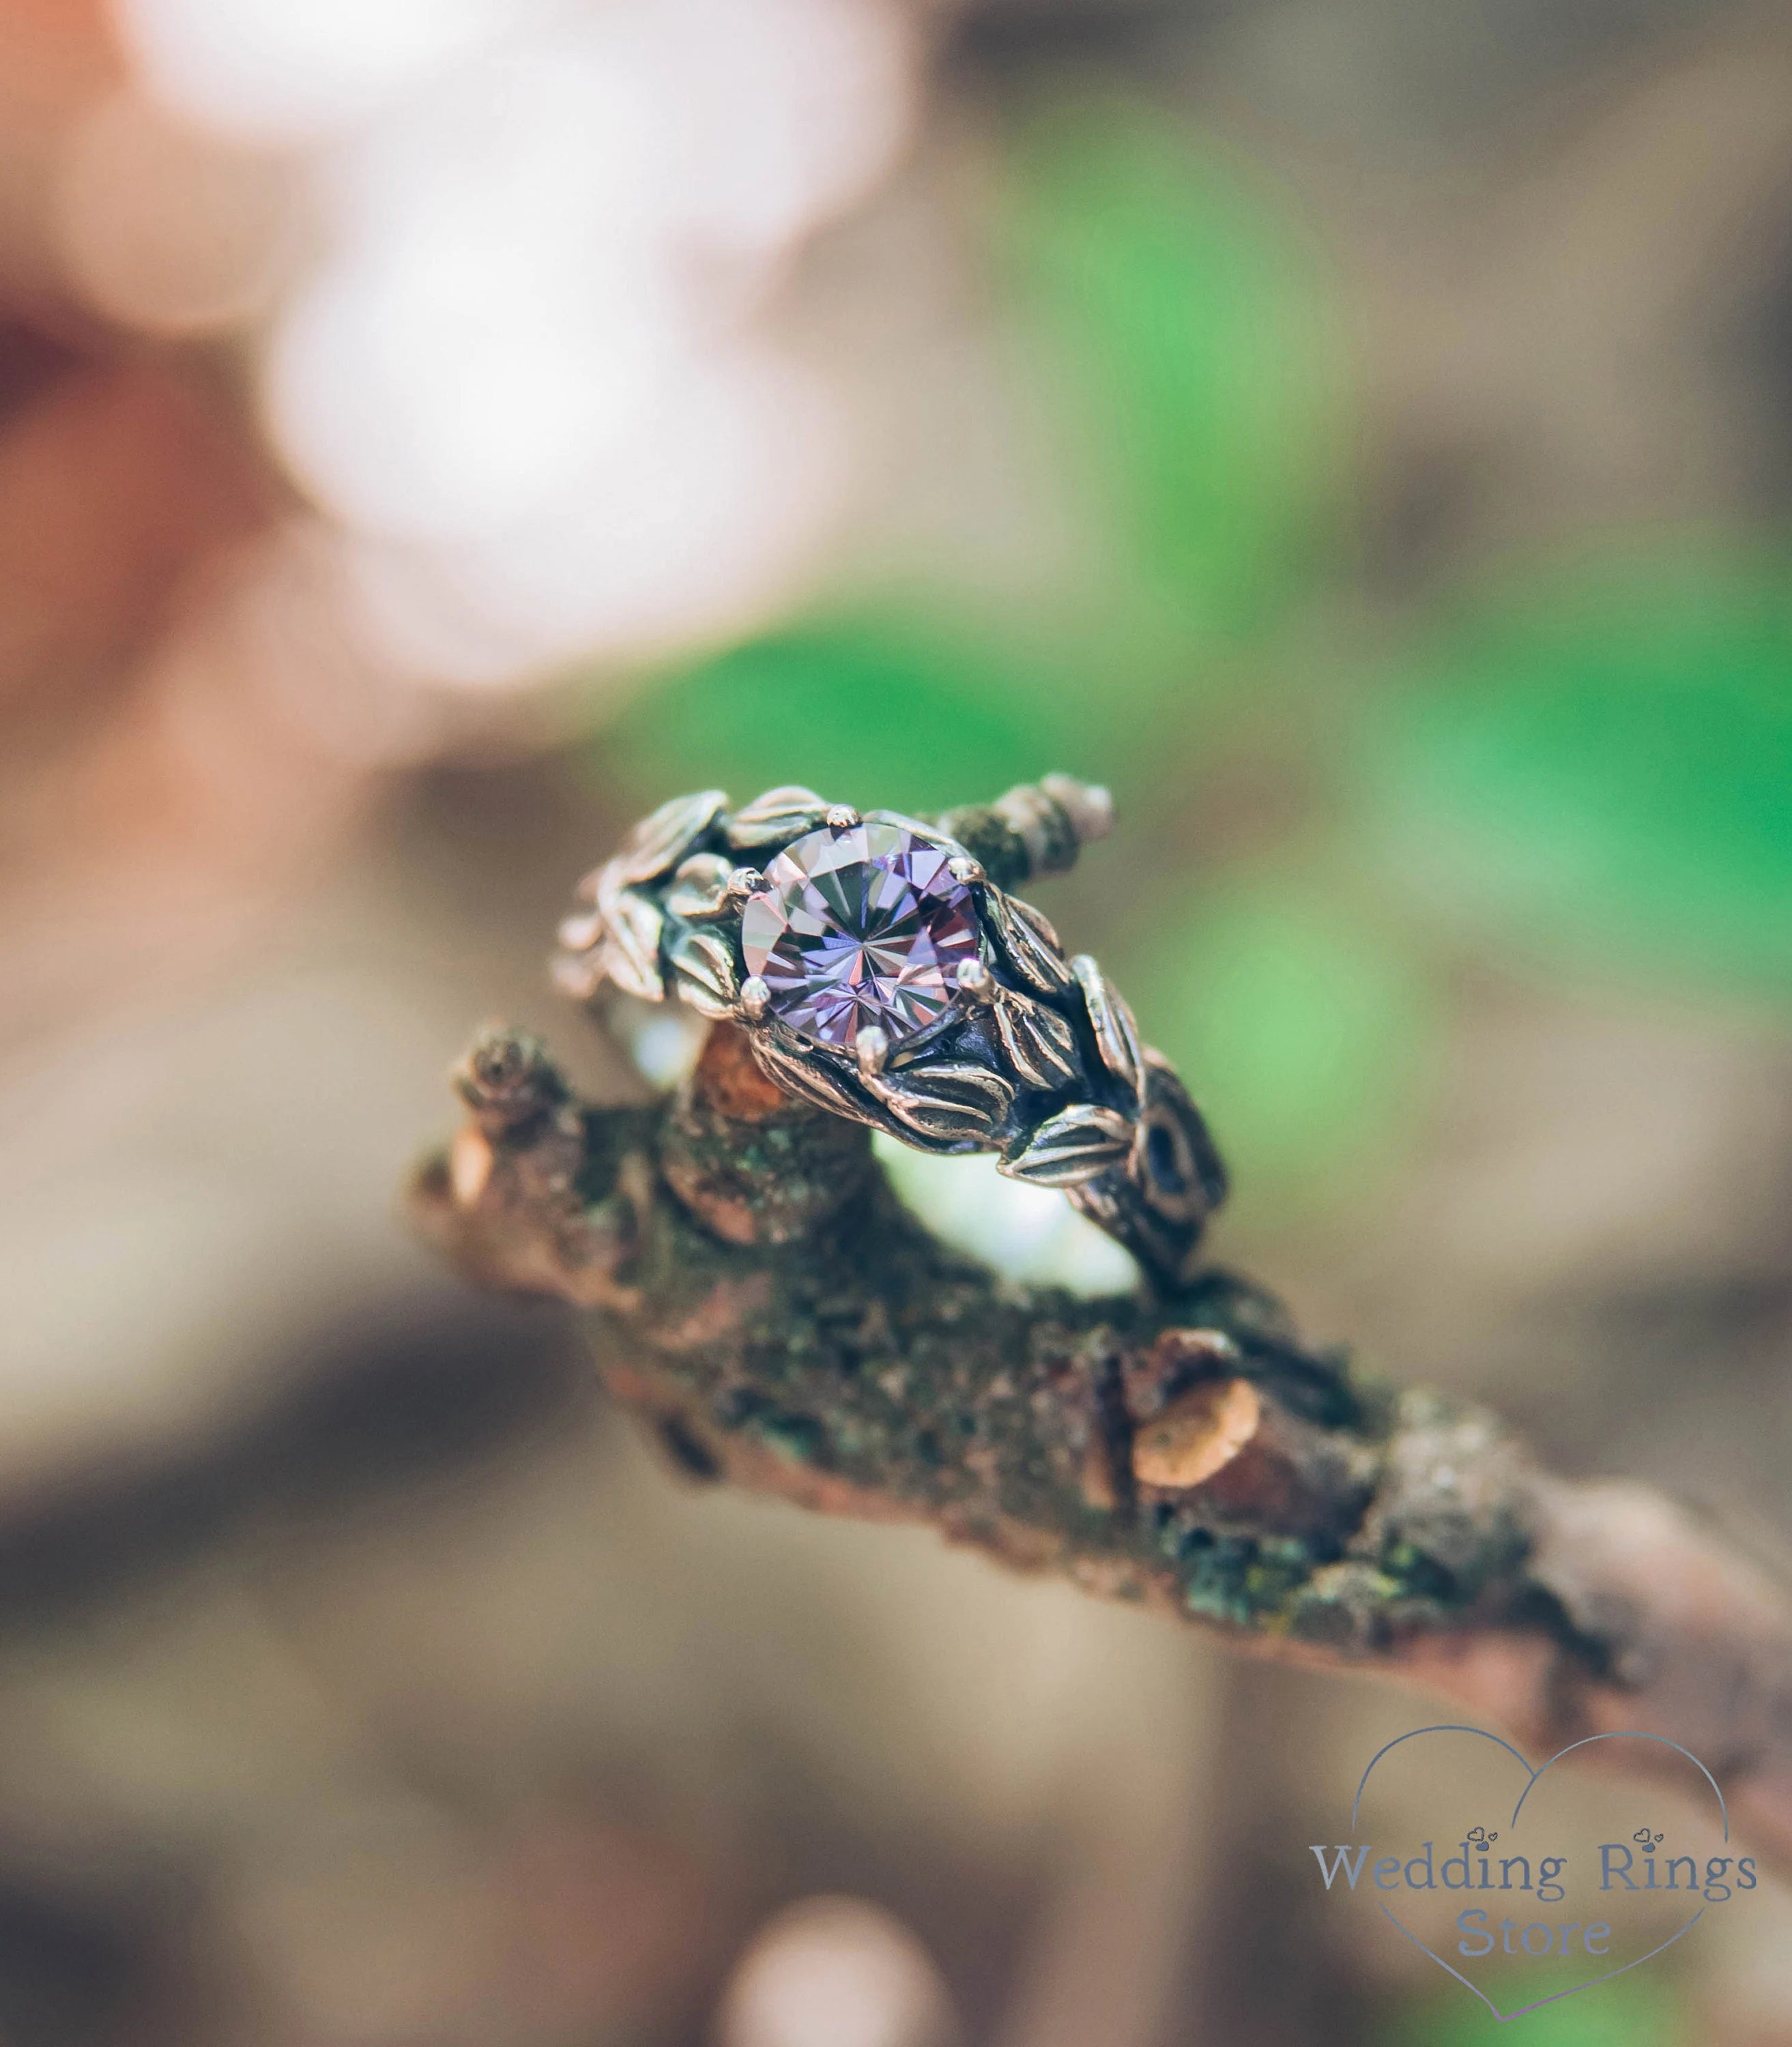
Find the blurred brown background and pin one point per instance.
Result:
(432, 432)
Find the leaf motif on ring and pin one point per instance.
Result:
(631, 945)
(1028, 942)
(704, 967)
(699, 888)
(809, 1080)
(1072, 1147)
(1175, 1165)
(660, 841)
(951, 1104)
(1116, 1035)
(1097, 1199)
(1039, 1043)
(784, 813)
(580, 932)
(579, 975)
(600, 886)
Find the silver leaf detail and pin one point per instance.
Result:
(1039, 1043)
(581, 930)
(1099, 1200)
(1174, 1164)
(955, 1105)
(703, 970)
(698, 888)
(579, 975)
(1116, 1035)
(1028, 942)
(658, 843)
(809, 1080)
(600, 886)
(1072, 1147)
(784, 813)
(631, 945)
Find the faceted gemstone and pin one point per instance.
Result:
(861, 926)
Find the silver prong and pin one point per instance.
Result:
(756, 997)
(962, 868)
(975, 980)
(742, 883)
(872, 1047)
(842, 817)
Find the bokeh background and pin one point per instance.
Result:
(433, 431)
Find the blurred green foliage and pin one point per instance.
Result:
(905, 708)
(1591, 766)
(1170, 322)
(1628, 2011)
(1178, 319)
(1597, 762)
(1311, 1034)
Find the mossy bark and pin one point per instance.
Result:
(756, 1293)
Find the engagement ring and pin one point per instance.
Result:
(881, 968)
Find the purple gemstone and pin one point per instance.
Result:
(865, 925)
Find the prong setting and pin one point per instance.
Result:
(883, 976)
(976, 981)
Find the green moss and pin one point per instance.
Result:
(868, 1348)
(799, 1438)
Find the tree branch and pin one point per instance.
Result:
(757, 1294)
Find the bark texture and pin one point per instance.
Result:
(756, 1292)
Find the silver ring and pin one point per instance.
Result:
(881, 968)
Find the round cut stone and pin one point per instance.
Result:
(861, 926)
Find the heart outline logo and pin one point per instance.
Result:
(1532, 1773)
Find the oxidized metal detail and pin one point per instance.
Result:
(880, 973)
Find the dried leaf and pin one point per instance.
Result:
(1028, 942)
(1074, 1146)
(781, 814)
(1116, 1035)
(703, 965)
(1040, 1044)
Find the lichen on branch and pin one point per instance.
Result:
(758, 1294)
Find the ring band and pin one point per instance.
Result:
(881, 969)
